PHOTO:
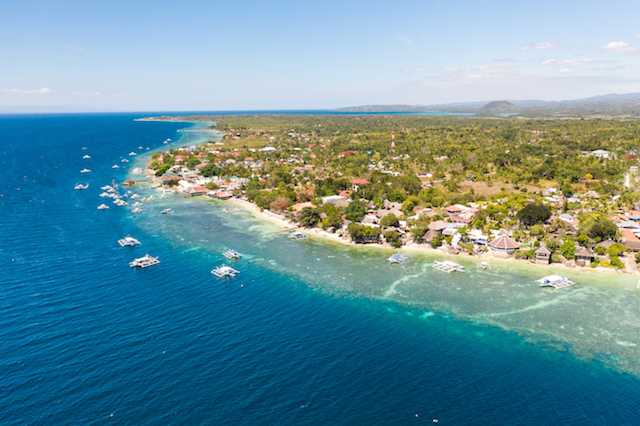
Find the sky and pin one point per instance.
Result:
(256, 55)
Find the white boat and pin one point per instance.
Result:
(85, 171)
(144, 261)
(167, 211)
(448, 266)
(128, 241)
(132, 153)
(105, 195)
(119, 202)
(555, 281)
(124, 160)
(298, 236)
(86, 156)
(115, 166)
(134, 196)
(103, 207)
(140, 147)
(229, 210)
(398, 258)
(137, 204)
(224, 271)
(81, 186)
(232, 254)
(136, 210)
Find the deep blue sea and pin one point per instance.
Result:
(309, 333)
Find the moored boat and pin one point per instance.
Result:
(224, 271)
(144, 261)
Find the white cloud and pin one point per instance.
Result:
(619, 46)
(480, 76)
(411, 71)
(43, 91)
(539, 46)
(121, 95)
(636, 36)
(565, 71)
(563, 63)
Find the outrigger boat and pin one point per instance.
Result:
(144, 261)
(81, 186)
(298, 236)
(167, 211)
(224, 271)
(103, 207)
(128, 241)
(398, 258)
(448, 266)
(555, 281)
(232, 254)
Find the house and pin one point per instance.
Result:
(297, 208)
(543, 255)
(430, 235)
(359, 182)
(195, 190)
(438, 225)
(333, 199)
(503, 246)
(221, 195)
(584, 256)
(630, 241)
(389, 204)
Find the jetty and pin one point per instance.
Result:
(555, 281)
(448, 266)
(398, 258)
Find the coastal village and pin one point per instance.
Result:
(388, 187)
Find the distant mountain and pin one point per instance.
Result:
(618, 105)
(499, 107)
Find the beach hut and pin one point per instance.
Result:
(503, 246)
(584, 256)
(430, 235)
(543, 255)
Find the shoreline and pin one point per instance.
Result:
(412, 247)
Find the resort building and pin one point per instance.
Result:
(503, 246)
(584, 256)
(543, 255)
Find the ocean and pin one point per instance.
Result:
(310, 332)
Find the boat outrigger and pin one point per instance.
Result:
(128, 241)
(555, 281)
(448, 266)
(144, 261)
(224, 271)
(232, 254)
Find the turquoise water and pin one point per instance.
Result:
(310, 332)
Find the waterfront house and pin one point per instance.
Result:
(584, 256)
(503, 246)
(543, 255)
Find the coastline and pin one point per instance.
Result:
(411, 247)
